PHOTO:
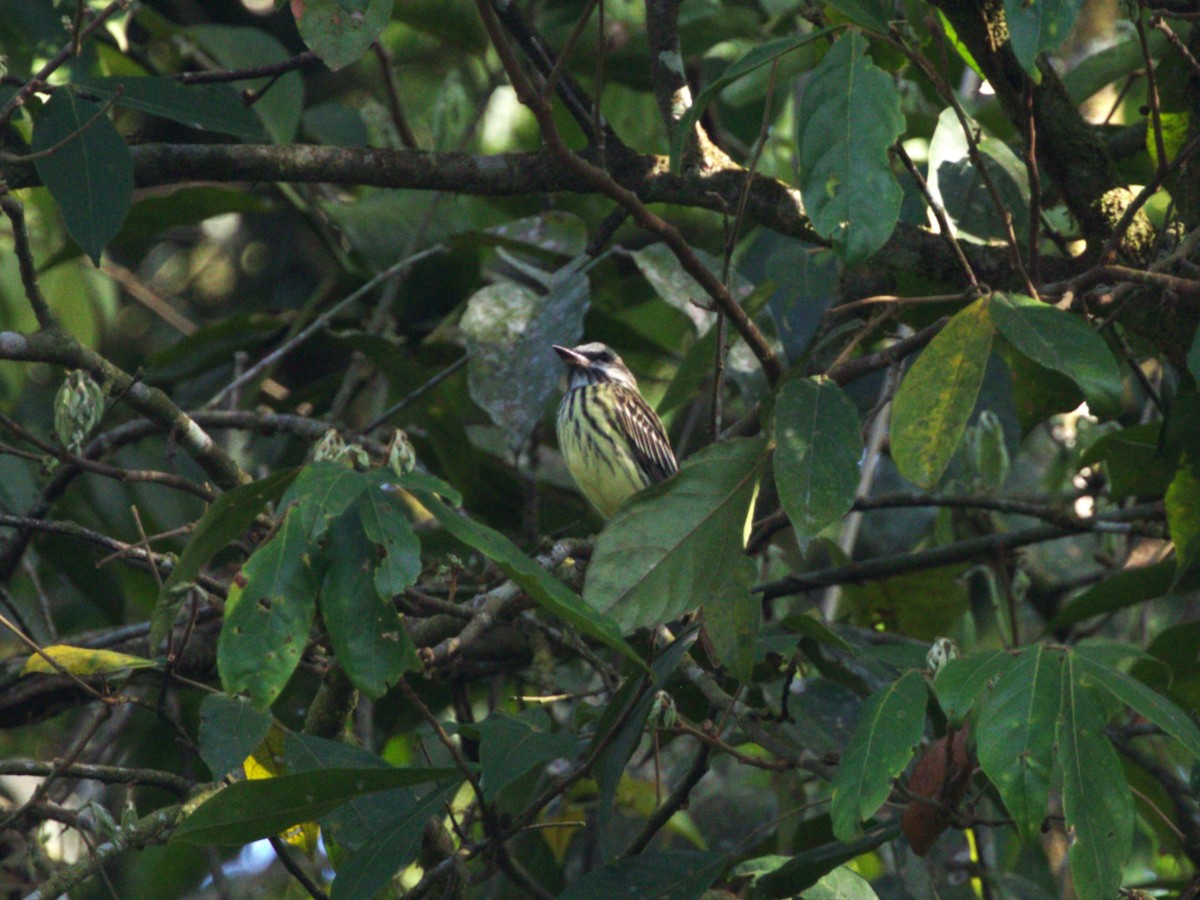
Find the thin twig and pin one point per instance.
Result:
(58, 145)
(945, 229)
(318, 324)
(266, 70)
(1160, 144)
(293, 868)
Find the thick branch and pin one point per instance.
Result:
(770, 202)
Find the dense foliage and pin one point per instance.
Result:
(288, 551)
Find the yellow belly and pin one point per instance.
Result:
(599, 460)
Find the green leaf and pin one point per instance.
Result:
(819, 446)
(1094, 668)
(230, 730)
(889, 727)
(226, 518)
(960, 682)
(1183, 514)
(678, 544)
(510, 329)
(543, 588)
(678, 875)
(758, 57)
(359, 820)
(370, 868)
(842, 883)
(808, 867)
(627, 713)
(810, 626)
(697, 362)
(1060, 341)
(388, 528)
(1131, 459)
(1096, 798)
(1122, 589)
(215, 107)
(873, 14)
(90, 176)
(368, 638)
(956, 182)
(1193, 357)
(278, 109)
(268, 614)
(321, 493)
(338, 37)
(733, 623)
(848, 118)
(936, 398)
(1038, 27)
(1112, 63)
(1015, 734)
(924, 604)
(251, 810)
(510, 746)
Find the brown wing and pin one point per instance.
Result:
(647, 438)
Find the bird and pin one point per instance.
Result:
(614, 444)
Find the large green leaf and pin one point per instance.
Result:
(1096, 668)
(677, 875)
(230, 730)
(1131, 460)
(1183, 514)
(233, 47)
(678, 545)
(1015, 734)
(957, 183)
(759, 56)
(1096, 798)
(733, 623)
(358, 821)
(1060, 341)
(509, 746)
(226, 518)
(268, 614)
(370, 868)
(545, 590)
(843, 883)
(1038, 27)
(848, 118)
(213, 106)
(809, 866)
(250, 810)
(959, 683)
(626, 715)
(321, 493)
(888, 730)
(365, 630)
(873, 14)
(510, 329)
(335, 35)
(87, 169)
(388, 528)
(935, 399)
(1119, 590)
(818, 449)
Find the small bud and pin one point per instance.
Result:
(986, 452)
(78, 409)
(662, 711)
(330, 447)
(402, 458)
(941, 651)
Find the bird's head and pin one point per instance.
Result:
(594, 364)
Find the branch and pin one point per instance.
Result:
(152, 829)
(884, 567)
(603, 182)
(168, 781)
(54, 345)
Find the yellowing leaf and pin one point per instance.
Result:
(267, 762)
(84, 661)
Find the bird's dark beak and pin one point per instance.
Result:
(571, 358)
